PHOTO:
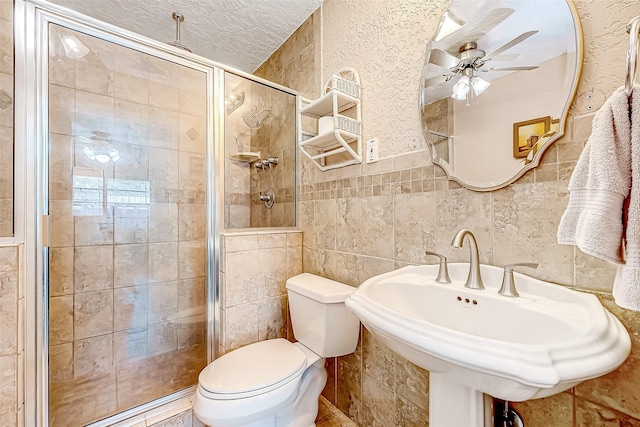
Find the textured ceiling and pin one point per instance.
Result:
(238, 33)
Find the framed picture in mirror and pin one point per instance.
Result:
(526, 134)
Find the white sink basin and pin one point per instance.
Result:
(545, 341)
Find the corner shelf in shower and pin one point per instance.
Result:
(345, 136)
(245, 156)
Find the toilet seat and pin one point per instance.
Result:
(253, 370)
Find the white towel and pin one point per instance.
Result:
(599, 185)
(603, 215)
(626, 288)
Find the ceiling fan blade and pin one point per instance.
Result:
(443, 59)
(505, 57)
(489, 23)
(522, 37)
(434, 81)
(524, 68)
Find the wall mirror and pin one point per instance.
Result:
(496, 86)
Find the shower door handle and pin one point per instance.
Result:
(45, 225)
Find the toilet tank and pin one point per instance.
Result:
(319, 317)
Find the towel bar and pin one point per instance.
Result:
(632, 56)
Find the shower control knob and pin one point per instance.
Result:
(269, 198)
(265, 197)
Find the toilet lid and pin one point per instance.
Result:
(253, 369)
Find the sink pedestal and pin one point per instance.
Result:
(452, 404)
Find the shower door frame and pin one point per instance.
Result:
(31, 38)
(37, 16)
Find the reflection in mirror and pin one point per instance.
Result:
(259, 155)
(6, 120)
(498, 78)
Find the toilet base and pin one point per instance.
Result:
(302, 412)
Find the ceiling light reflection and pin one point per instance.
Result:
(113, 155)
(73, 47)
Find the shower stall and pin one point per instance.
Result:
(140, 155)
(260, 156)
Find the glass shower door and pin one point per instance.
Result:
(127, 173)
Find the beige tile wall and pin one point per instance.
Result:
(127, 283)
(238, 138)
(274, 138)
(11, 338)
(364, 220)
(178, 413)
(6, 118)
(255, 267)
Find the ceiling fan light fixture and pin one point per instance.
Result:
(461, 89)
(479, 85)
(448, 25)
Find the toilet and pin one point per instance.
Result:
(275, 382)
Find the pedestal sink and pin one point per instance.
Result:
(545, 341)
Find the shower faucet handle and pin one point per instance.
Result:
(265, 197)
(261, 164)
(443, 271)
(264, 163)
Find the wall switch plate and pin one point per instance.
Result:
(373, 150)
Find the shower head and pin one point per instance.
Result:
(253, 120)
(178, 18)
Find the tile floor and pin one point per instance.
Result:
(330, 416)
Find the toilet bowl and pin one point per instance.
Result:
(276, 382)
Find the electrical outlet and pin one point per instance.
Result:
(373, 150)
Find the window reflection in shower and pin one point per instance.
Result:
(260, 125)
(127, 186)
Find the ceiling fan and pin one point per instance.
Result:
(471, 59)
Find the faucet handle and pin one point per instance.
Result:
(443, 272)
(508, 288)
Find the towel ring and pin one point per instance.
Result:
(632, 55)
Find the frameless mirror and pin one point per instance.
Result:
(497, 82)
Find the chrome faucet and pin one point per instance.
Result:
(474, 280)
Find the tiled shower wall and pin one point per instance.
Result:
(128, 254)
(11, 289)
(368, 219)
(11, 338)
(6, 118)
(275, 138)
(237, 191)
